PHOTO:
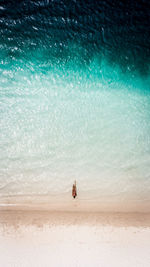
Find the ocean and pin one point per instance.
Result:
(75, 104)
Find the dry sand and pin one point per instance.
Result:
(44, 238)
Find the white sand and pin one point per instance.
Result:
(74, 239)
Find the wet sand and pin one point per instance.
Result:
(45, 238)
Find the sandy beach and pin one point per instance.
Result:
(45, 238)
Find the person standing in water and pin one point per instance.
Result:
(74, 190)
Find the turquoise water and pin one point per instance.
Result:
(69, 115)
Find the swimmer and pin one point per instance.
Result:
(74, 190)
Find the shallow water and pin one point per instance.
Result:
(75, 101)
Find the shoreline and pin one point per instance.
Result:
(23, 217)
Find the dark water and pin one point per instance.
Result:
(55, 32)
(75, 100)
